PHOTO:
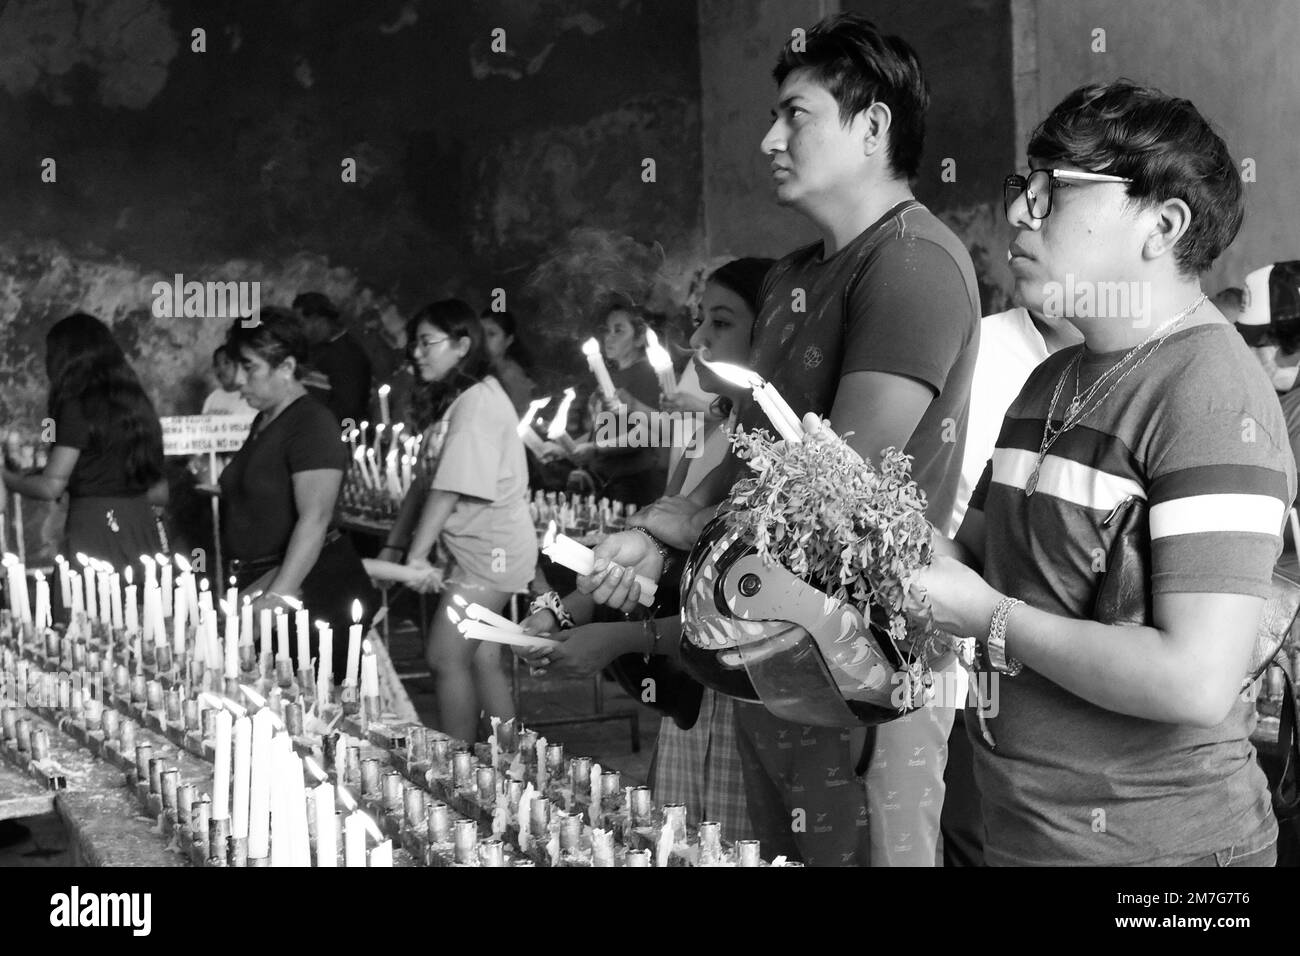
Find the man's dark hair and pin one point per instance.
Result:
(859, 66)
(221, 352)
(1164, 145)
(315, 304)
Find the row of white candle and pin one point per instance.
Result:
(397, 474)
(260, 785)
(104, 598)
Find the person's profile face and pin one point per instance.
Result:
(722, 332)
(261, 384)
(495, 339)
(225, 371)
(434, 353)
(1093, 234)
(622, 341)
(812, 154)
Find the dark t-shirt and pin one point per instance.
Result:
(258, 509)
(346, 367)
(900, 298)
(100, 471)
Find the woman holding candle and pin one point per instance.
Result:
(632, 474)
(470, 497)
(510, 360)
(279, 491)
(695, 763)
(107, 453)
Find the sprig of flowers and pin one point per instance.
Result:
(855, 531)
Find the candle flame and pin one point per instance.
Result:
(147, 561)
(656, 353)
(591, 347)
(182, 563)
(203, 585)
(560, 423)
(356, 612)
(314, 769)
(40, 577)
(322, 625)
(358, 454)
(364, 426)
(293, 602)
(254, 698)
(345, 798)
(453, 616)
(735, 374)
(399, 426)
(459, 600)
(81, 559)
(130, 576)
(385, 389)
(365, 646)
(549, 538)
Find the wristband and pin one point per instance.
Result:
(659, 545)
(550, 601)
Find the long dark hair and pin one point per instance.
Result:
(455, 319)
(745, 278)
(516, 349)
(85, 365)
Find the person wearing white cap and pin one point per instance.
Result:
(1270, 321)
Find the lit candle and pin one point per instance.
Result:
(326, 838)
(382, 855)
(378, 446)
(392, 480)
(540, 766)
(359, 461)
(165, 582)
(78, 595)
(354, 840)
(662, 363)
(778, 411)
(526, 419)
(186, 579)
(365, 426)
(591, 348)
(243, 756)
(206, 635)
(352, 439)
(560, 423)
(153, 599)
(478, 631)
(408, 463)
(354, 646)
(304, 639)
(221, 767)
(104, 578)
(564, 550)
(150, 569)
(259, 813)
(596, 782)
(296, 806)
(281, 830)
(383, 402)
(246, 622)
(478, 612)
(394, 443)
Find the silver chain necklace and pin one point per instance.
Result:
(1079, 407)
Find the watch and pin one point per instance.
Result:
(996, 645)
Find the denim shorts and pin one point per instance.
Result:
(1259, 849)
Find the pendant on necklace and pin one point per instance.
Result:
(1073, 409)
(1032, 483)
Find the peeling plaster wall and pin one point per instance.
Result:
(472, 165)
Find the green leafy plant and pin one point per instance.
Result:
(855, 531)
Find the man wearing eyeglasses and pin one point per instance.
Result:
(1116, 555)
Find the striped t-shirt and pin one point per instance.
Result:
(1197, 432)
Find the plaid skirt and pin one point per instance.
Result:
(701, 768)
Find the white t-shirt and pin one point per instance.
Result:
(222, 402)
(1010, 348)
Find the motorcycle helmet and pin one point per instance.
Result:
(759, 633)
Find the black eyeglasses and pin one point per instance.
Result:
(1039, 185)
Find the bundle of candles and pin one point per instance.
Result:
(578, 515)
(383, 466)
(269, 792)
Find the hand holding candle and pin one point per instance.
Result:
(564, 550)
